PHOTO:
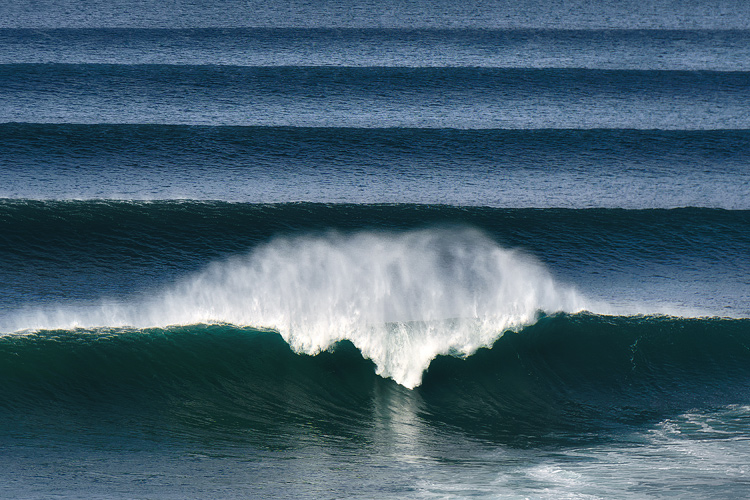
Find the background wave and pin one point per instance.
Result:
(700, 49)
(497, 168)
(655, 14)
(463, 98)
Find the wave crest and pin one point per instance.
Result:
(401, 298)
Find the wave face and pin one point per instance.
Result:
(400, 287)
(565, 376)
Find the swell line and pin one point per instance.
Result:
(463, 98)
(725, 50)
(369, 13)
(503, 168)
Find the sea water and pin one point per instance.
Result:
(374, 250)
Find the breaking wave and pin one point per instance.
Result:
(401, 298)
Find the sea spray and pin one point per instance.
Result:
(401, 298)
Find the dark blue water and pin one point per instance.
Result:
(416, 47)
(463, 98)
(631, 169)
(374, 250)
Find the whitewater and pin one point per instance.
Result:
(401, 299)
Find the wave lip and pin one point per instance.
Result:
(401, 299)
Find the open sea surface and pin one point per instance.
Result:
(359, 249)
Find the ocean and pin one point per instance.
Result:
(359, 249)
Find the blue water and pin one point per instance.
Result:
(374, 250)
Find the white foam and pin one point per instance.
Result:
(402, 298)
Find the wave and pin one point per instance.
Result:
(463, 98)
(563, 374)
(156, 230)
(506, 168)
(401, 298)
(25, 220)
(580, 373)
(721, 50)
(698, 14)
(301, 76)
(666, 260)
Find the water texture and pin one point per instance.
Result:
(374, 250)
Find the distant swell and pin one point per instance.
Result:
(462, 98)
(567, 168)
(698, 49)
